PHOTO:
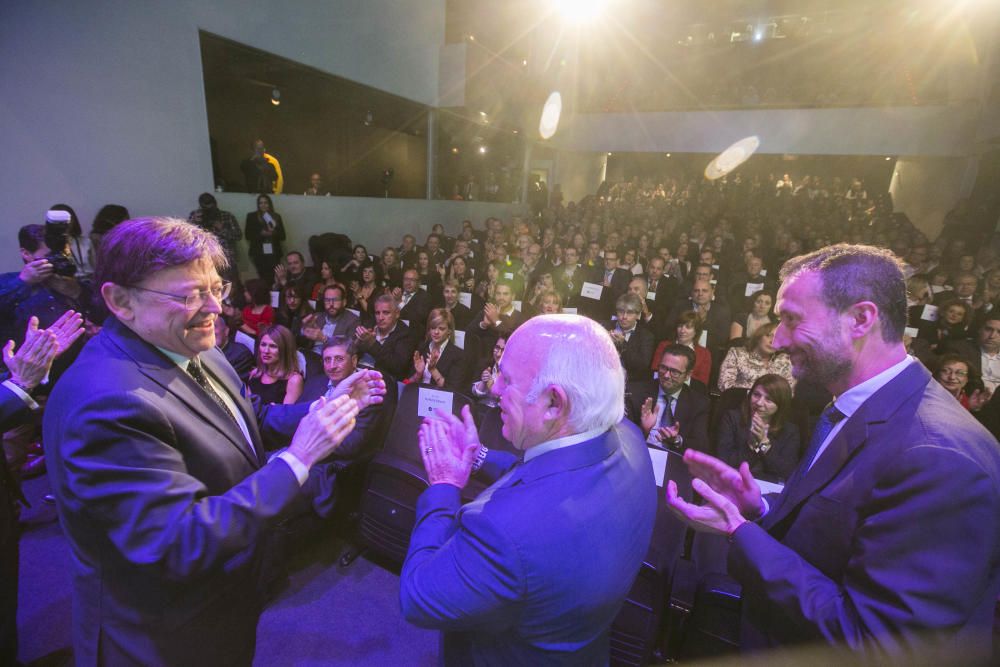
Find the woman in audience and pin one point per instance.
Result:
(543, 283)
(276, 379)
(293, 310)
(483, 387)
(549, 303)
(689, 332)
(990, 297)
(758, 314)
(554, 254)
(264, 231)
(484, 290)
(460, 272)
(389, 268)
(365, 291)
(326, 278)
(438, 361)
(954, 318)
(430, 278)
(630, 264)
(760, 433)
(743, 364)
(352, 269)
(961, 380)
(258, 313)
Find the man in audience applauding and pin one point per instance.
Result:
(158, 470)
(886, 538)
(535, 569)
(390, 342)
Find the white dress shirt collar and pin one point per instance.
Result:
(559, 443)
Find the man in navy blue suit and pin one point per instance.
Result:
(163, 489)
(886, 538)
(535, 569)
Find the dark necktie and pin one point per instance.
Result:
(830, 417)
(667, 418)
(198, 373)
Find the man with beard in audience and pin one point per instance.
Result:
(897, 480)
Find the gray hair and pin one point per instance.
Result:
(578, 355)
(136, 249)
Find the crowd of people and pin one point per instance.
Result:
(683, 275)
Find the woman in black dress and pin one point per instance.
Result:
(276, 379)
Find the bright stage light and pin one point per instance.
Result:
(579, 11)
(549, 123)
(732, 157)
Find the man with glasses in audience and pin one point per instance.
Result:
(161, 482)
(634, 343)
(671, 414)
(335, 320)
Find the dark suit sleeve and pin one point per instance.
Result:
(12, 409)
(455, 374)
(637, 353)
(495, 465)
(934, 517)
(694, 426)
(131, 482)
(459, 575)
(730, 438)
(783, 457)
(395, 355)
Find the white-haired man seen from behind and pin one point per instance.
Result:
(536, 568)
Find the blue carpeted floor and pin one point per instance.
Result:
(324, 616)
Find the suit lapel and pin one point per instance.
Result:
(223, 373)
(855, 433)
(164, 372)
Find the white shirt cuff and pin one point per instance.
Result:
(765, 508)
(299, 468)
(20, 393)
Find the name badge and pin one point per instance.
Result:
(650, 296)
(267, 249)
(753, 288)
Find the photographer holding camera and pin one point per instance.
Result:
(46, 288)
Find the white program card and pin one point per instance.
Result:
(929, 313)
(433, 400)
(460, 340)
(659, 457)
(592, 291)
(465, 298)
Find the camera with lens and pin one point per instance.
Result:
(57, 241)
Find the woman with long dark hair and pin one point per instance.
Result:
(264, 231)
(759, 431)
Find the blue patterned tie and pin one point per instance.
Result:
(667, 418)
(827, 420)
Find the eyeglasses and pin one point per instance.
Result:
(957, 372)
(194, 301)
(335, 299)
(674, 372)
(627, 311)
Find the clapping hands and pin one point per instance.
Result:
(449, 446)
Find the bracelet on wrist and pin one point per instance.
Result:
(480, 458)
